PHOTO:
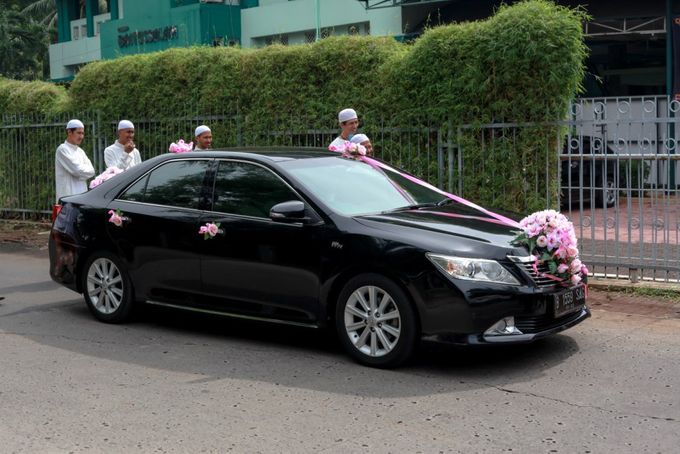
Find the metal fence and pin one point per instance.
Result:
(28, 144)
(620, 173)
(617, 172)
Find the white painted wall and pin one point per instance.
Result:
(283, 17)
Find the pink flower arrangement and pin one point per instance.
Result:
(349, 148)
(105, 175)
(117, 218)
(551, 238)
(181, 146)
(209, 230)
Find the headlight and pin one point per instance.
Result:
(473, 269)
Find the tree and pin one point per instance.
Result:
(45, 11)
(23, 45)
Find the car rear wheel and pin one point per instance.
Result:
(107, 288)
(375, 321)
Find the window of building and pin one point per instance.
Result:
(626, 66)
(310, 36)
(75, 34)
(276, 39)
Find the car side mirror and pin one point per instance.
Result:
(291, 211)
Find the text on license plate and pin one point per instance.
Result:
(569, 301)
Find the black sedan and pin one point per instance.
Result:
(307, 238)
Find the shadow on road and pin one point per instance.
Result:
(214, 348)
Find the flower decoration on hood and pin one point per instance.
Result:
(550, 237)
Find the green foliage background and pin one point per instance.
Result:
(524, 64)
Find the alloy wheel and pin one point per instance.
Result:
(105, 286)
(372, 321)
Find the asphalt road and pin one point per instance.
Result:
(172, 382)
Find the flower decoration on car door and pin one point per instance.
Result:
(210, 230)
(117, 218)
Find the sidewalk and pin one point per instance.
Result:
(634, 304)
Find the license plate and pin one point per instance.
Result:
(569, 301)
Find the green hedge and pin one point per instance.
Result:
(525, 63)
(29, 98)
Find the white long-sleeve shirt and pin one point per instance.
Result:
(72, 169)
(116, 156)
(338, 142)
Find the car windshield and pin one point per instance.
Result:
(352, 187)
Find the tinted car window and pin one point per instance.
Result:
(177, 183)
(136, 191)
(248, 189)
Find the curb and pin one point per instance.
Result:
(625, 284)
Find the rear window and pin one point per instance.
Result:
(176, 183)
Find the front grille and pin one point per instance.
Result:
(538, 323)
(526, 264)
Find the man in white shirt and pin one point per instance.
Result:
(203, 137)
(122, 153)
(349, 122)
(72, 167)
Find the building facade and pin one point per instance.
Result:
(630, 41)
(90, 30)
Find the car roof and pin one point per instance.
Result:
(276, 154)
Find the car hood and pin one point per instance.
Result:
(470, 228)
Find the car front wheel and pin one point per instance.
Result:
(107, 288)
(375, 321)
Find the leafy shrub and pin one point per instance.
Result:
(524, 64)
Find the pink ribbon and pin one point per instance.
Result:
(461, 216)
(500, 218)
(549, 276)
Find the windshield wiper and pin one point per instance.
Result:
(415, 206)
(445, 201)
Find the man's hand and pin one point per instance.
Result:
(129, 146)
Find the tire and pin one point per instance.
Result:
(112, 300)
(374, 340)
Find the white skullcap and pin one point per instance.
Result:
(74, 124)
(201, 129)
(125, 124)
(346, 115)
(359, 138)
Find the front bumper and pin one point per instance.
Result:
(528, 330)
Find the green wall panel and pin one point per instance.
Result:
(161, 24)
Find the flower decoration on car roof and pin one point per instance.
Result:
(181, 146)
(105, 175)
(349, 149)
